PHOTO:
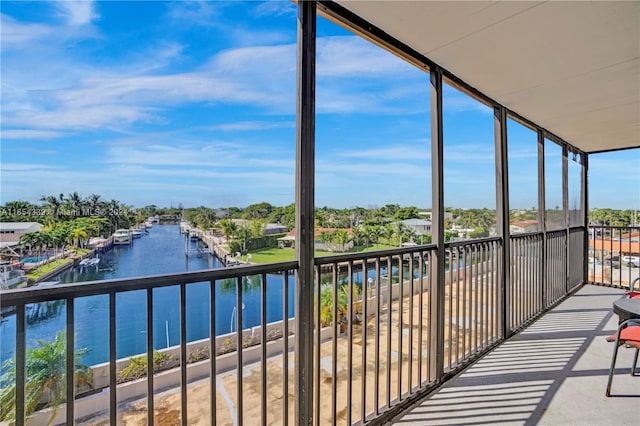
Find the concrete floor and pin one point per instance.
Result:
(552, 373)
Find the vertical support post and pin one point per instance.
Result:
(542, 218)
(565, 212)
(502, 210)
(584, 202)
(305, 186)
(436, 299)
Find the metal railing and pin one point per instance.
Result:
(373, 341)
(18, 301)
(556, 267)
(613, 255)
(576, 257)
(526, 272)
(372, 348)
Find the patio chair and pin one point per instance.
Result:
(628, 334)
(633, 294)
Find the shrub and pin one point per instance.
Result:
(137, 367)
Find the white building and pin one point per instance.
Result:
(10, 232)
(418, 226)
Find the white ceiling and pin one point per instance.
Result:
(572, 67)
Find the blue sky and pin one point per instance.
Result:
(194, 103)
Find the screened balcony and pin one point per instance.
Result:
(399, 323)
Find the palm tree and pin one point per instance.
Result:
(374, 233)
(388, 232)
(30, 239)
(360, 236)
(52, 203)
(243, 233)
(257, 228)
(45, 372)
(78, 235)
(46, 240)
(75, 203)
(326, 303)
(94, 203)
(228, 228)
(342, 237)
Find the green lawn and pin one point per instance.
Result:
(38, 272)
(48, 267)
(283, 255)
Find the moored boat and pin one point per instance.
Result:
(122, 236)
(11, 276)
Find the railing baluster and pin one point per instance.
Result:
(285, 349)
(449, 323)
(334, 342)
(70, 360)
(183, 353)
(21, 351)
(420, 316)
(412, 288)
(212, 353)
(389, 329)
(150, 390)
(318, 342)
(263, 342)
(350, 344)
(363, 322)
(113, 397)
(239, 347)
(458, 317)
(377, 339)
(484, 300)
(400, 324)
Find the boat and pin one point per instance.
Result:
(122, 236)
(11, 276)
(136, 233)
(89, 261)
(148, 224)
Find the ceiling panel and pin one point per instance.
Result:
(571, 67)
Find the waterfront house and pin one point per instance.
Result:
(275, 228)
(521, 226)
(324, 239)
(10, 232)
(418, 226)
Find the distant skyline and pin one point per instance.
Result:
(193, 103)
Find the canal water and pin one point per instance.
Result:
(161, 251)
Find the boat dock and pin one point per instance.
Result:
(213, 244)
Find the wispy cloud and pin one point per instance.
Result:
(18, 34)
(76, 12)
(31, 134)
(342, 56)
(454, 101)
(469, 153)
(275, 8)
(202, 13)
(26, 167)
(201, 156)
(394, 152)
(254, 125)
